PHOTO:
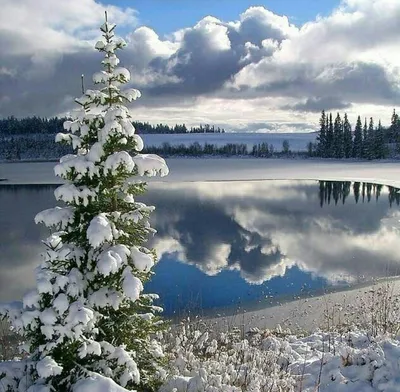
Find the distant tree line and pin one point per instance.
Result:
(339, 191)
(336, 138)
(31, 147)
(145, 127)
(36, 125)
(261, 150)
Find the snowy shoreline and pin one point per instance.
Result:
(233, 169)
(301, 314)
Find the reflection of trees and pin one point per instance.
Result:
(338, 191)
(394, 195)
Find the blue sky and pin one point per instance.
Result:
(167, 16)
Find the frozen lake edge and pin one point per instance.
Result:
(385, 172)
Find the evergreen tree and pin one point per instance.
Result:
(87, 323)
(394, 130)
(379, 142)
(370, 148)
(365, 143)
(347, 137)
(285, 147)
(321, 138)
(330, 138)
(338, 140)
(358, 139)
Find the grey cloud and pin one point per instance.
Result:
(338, 80)
(260, 55)
(318, 104)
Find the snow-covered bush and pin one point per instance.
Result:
(269, 361)
(88, 326)
(375, 309)
(201, 359)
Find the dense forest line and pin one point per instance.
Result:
(12, 126)
(336, 138)
(43, 147)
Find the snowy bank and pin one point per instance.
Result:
(308, 313)
(234, 169)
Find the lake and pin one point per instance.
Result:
(234, 244)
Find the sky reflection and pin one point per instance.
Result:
(229, 243)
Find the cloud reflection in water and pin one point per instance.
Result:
(246, 240)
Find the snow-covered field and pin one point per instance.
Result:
(233, 169)
(297, 141)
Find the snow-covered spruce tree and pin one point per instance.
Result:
(88, 325)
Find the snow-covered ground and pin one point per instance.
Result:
(305, 314)
(233, 169)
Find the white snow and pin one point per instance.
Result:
(109, 262)
(80, 164)
(278, 361)
(69, 193)
(131, 94)
(124, 358)
(139, 142)
(48, 316)
(97, 383)
(95, 153)
(100, 77)
(132, 285)
(61, 303)
(88, 348)
(48, 367)
(122, 73)
(31, 299)
(150, 165)
(142, 261)
(61, 216)
(119, 160)
(99, 230)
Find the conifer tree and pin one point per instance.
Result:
(321, 138)
(365, 142)
(330, 138)
(338, 140)
(394, 132)
(347, 137)
(394, 127)
(370, 148)
(379, 142)
(88, 325)
(358, 139)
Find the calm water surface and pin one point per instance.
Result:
(230, 244)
